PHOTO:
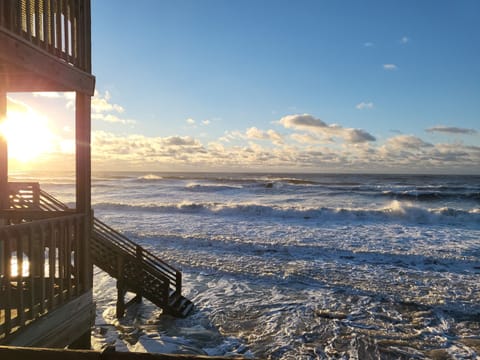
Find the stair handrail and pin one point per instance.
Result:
(130, 247)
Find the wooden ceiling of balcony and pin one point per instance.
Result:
(25, 67)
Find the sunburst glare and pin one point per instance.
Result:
(28, 135)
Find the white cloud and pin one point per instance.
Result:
(190, 121)
(305, 138)
(355, 136)
(364, 105)
(254, 133)
(180, 141)
(306, 122)
(271, 135)
(390, 67)
(399, 153)
(302, 122)
(101, 103)
(406, 142)
(304, 143)
(452, 130)
(112, 119)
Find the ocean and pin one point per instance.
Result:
(297, 266)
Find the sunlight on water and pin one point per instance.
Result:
(15, 266)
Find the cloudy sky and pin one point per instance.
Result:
(273, 85)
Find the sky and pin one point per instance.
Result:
(276, 86)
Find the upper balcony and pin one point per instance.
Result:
(45, 45)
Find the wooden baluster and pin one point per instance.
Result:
(45, 24)
(52, 33)
(38, 18)
(58, 28)
(75, 6)
(28, 20)
(32, 269)
(11, 16)
(66, 32)
(51, 266)
(76, 256)
(61, 257)
(20, 297)
(41, 261)
(68, 258)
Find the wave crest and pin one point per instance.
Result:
(395, 211)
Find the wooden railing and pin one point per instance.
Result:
(60, 27)
(135, 268)
(128, 249)
(40, 268)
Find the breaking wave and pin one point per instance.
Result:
(395, 211)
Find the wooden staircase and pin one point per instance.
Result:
(136, 269)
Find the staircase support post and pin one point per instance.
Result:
(138, 251)
(120, 288)
(120, 299)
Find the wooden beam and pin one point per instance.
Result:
(39, 63)
(23, 81)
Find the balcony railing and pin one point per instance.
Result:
(40, 268)
(60, 27)
(41, 258)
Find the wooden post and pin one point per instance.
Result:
(83, 182)
(138, 252)
(3, 152)
(120, 288)
(4, 203)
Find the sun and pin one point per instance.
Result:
(28, 135)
